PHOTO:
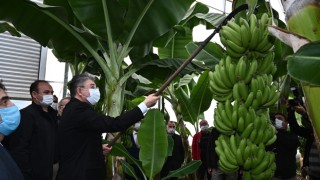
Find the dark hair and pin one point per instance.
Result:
(35, 84)
(2, 85)
(281, 114)
(78, 81)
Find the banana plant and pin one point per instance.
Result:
(303, 36)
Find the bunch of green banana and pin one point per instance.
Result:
(247, 36)
(235, 152)
(226, 150)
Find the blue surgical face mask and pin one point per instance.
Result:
(10, 119)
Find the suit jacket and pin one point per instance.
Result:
(33, 144)
(80, 148)
(175, 161)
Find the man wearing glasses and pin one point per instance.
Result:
(33, 144)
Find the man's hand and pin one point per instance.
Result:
(300, 109)
(106, 149)
(151, 100)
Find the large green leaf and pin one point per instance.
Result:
(305, 63)
(188, 110)
(201, 96)
(152, 138)
(176, 48)
(184, 170)
(159, 18)
(45, 24)
(210, 55)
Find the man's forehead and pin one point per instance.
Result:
(44, 86)
(89, 82)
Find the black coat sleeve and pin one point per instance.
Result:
(19, 142)
(294, 126)
(84, 116)
(211, 152)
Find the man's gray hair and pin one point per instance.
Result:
(78, 81)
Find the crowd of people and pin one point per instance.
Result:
(32, 143)
(41, 142)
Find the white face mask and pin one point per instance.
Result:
(204, 128)
(137, 125)
(278, 123)
(94, 96)
(171, 130)
(47, 100)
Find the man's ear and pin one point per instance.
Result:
(78, 91)
(33, 94)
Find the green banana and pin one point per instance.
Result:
(243, 90)
(232, 73)
(249, 100)
(245, 36)
(228, 107)
(262, 166)
(235, 47)
(234, 119)
(272, 140)
(233, 144)
(246, 133)
(253, 135)
(255, 38)
(253, 21)
(241, 124)
(252, 70)
(225, 77)
(235, 92)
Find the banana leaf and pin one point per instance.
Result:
(7, 27)
(201, 96)
(305, 64)
(152, 138)
(184, 170)
(210, 55)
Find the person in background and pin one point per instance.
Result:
(33, 143)
(199, 149)
(63, 102)
(175, 160)
(311, 161)
(285, 149)
(80, 129)
(60, 106)
(9, 121)
(134, 150)
(213, 158)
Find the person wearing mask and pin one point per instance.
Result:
(285, 149)
(81, 127)
(311, 160)
(199, 149)
(9, 121)
(134, 150)
(33, 144)
(213, 158)
(174, 160)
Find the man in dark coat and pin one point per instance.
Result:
(175, 160)
(80, 129)
(33, 144)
